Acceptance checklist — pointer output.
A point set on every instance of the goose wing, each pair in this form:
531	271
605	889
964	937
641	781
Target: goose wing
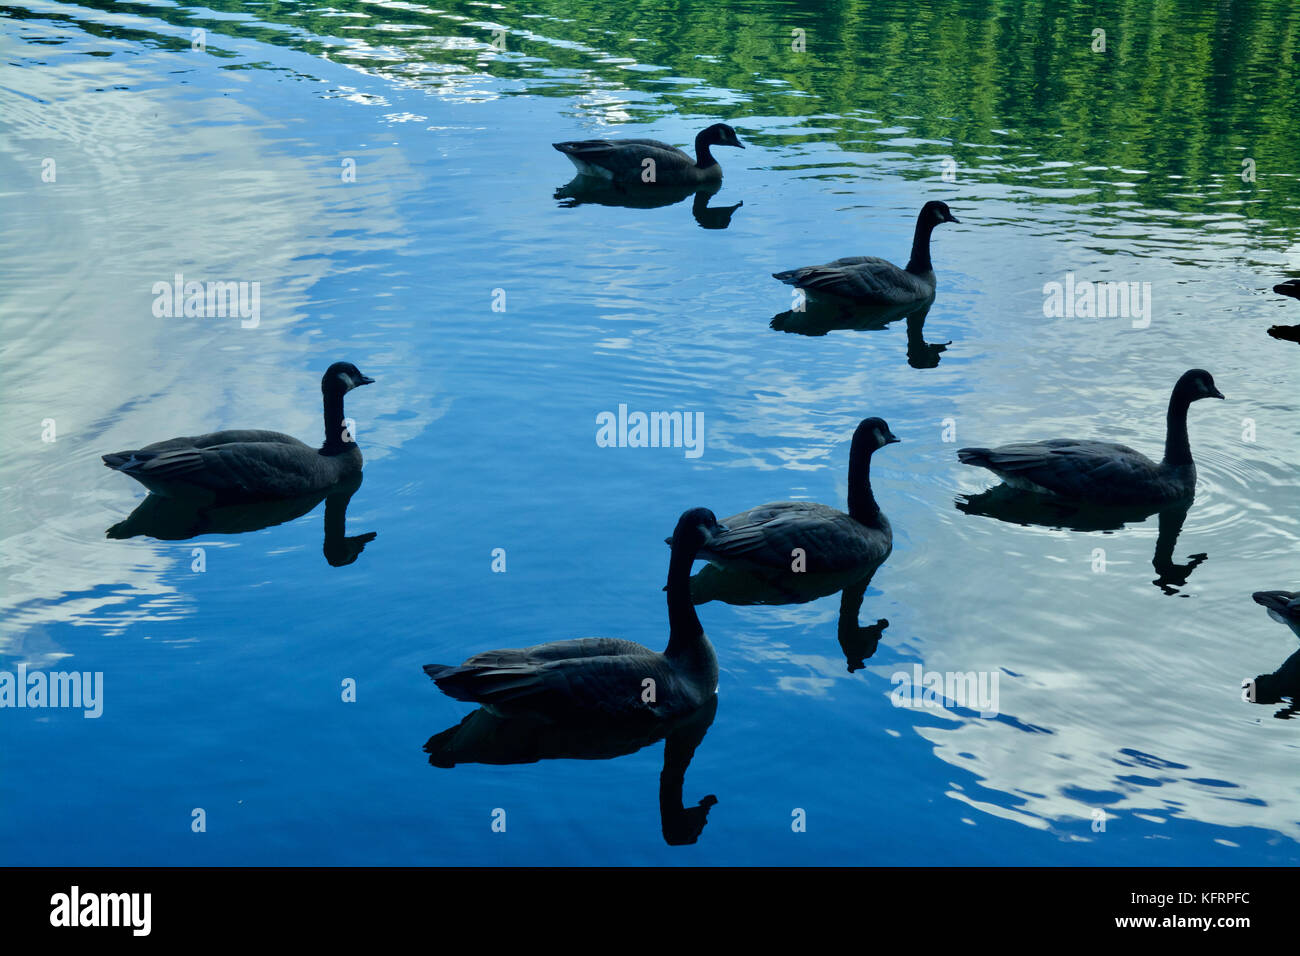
769	534
243	467
624	157
1068	467
589	675
866	278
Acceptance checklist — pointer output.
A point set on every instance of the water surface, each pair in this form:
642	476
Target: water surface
223	688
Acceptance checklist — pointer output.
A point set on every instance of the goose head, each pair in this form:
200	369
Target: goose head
694	528
720	134
871	435
935	212
1196	384
342	377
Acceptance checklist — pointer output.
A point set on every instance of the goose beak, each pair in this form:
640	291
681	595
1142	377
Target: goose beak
366	380
1216	394
738	143
952	218
892	439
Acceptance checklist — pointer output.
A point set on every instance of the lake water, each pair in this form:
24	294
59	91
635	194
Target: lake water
383	171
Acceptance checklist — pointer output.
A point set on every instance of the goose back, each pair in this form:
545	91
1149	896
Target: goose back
865	279
830	540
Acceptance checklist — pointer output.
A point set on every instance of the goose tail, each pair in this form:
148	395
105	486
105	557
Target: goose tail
1279	601
451	681
126	460
974	456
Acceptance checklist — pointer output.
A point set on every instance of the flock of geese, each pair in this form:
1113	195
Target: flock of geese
577	680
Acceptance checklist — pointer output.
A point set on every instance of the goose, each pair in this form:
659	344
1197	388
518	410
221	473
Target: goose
241	464
603	677
766	537
1102	473
625	160
1282	606
871	281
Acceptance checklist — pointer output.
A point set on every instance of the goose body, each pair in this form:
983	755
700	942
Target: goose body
239	464
830	540
603	677
650	161
1104	473
868	280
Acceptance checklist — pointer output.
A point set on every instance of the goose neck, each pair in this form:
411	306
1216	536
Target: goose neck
334	443
862	502
1178	450
685	635
919	263
703	157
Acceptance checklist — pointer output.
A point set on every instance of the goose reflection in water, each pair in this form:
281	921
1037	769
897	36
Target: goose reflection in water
487	738
1029	508
749	586
179	518
820	316
584	190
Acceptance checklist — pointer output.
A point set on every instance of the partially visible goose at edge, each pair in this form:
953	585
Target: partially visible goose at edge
603	677
830	540
868	280
241	464
1290	287
624	160
1103	473
1287	333
1282	606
